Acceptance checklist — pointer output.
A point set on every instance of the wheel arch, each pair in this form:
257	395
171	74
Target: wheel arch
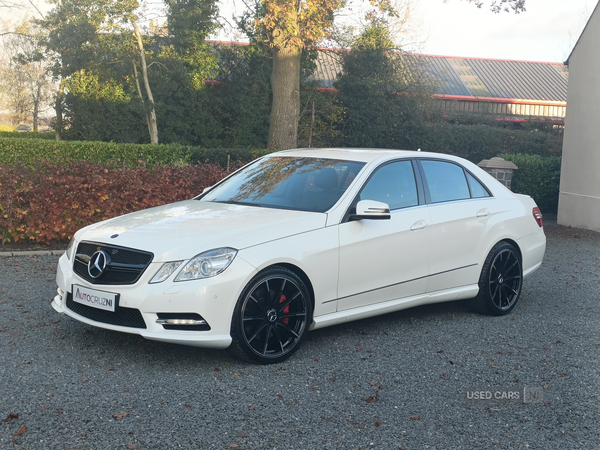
303	276
514	244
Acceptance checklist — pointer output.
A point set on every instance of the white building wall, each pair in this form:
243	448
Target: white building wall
579	201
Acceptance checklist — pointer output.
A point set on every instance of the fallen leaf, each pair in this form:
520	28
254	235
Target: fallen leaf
280	397
377	423
187	406
131	446
361	426
217	369
119	416
85	380
242	435
234	446
414	417
373	383
22	430
11	416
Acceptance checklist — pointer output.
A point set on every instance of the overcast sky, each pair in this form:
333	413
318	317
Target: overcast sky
546	32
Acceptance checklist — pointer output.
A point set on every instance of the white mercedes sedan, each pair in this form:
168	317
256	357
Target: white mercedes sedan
304	239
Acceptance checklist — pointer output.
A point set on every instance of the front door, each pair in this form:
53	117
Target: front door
382	260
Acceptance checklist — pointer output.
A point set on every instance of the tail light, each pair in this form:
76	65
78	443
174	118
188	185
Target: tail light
537	215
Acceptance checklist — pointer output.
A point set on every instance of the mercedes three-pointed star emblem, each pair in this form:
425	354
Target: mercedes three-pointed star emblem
98	263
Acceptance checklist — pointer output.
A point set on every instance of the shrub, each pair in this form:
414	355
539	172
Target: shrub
222	156
538	177
483	141
30	151
28	135
48	202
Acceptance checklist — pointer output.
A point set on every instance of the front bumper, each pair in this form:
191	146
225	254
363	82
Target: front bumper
213	298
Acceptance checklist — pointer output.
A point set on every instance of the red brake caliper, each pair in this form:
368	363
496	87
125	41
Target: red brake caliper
285	310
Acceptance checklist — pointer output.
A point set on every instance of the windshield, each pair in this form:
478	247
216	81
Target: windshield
304	184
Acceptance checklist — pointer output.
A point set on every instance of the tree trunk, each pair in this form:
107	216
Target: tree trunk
139	91
36	107
152	126
285	112
58	109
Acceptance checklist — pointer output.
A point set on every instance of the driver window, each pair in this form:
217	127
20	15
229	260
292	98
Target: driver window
393	184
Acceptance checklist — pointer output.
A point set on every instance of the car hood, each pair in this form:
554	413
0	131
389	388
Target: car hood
184	229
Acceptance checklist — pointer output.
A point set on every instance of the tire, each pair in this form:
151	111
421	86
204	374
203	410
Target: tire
500	281
271	317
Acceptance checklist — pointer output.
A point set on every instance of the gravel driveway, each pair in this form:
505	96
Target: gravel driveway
400	381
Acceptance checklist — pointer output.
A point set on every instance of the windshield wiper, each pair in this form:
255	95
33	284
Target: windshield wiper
234	202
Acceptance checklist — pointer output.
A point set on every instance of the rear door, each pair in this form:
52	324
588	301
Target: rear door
461	209
382	260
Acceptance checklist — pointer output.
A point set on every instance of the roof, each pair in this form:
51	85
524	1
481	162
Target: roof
354	154
582	33
471	77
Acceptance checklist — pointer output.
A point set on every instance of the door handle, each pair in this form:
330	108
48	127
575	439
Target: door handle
483	212
418	225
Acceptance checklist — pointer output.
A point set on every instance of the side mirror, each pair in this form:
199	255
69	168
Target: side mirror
206	189
370	209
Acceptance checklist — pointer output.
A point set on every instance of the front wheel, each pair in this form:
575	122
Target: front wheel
500	281
271	317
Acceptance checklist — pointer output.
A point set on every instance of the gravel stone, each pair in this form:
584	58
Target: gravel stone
392	382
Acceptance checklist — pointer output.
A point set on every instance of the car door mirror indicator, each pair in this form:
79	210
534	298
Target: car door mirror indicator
371	210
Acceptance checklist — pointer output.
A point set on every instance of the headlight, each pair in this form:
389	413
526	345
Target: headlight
165	271
207	264
70	247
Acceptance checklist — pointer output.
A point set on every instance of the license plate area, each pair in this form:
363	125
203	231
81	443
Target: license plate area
94	298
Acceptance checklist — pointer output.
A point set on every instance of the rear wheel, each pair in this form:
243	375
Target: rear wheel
271	317
500	281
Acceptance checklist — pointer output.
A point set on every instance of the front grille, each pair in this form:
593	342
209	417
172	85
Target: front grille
124	317
124	265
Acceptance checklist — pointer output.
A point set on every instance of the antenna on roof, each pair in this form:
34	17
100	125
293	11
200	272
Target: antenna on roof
418	149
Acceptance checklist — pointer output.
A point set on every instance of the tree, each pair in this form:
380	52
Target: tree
25	74
382	92
289	28
501	5
75	38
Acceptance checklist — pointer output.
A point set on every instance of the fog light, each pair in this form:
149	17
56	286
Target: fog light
180	322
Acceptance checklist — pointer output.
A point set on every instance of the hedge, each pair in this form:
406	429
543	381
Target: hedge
481	141
26	135
30	151
538	177
46	201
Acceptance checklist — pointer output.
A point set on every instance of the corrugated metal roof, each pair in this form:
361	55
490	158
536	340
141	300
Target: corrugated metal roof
474	77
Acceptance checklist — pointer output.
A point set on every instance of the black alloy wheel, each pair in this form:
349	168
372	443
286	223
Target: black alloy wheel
272	317
500	281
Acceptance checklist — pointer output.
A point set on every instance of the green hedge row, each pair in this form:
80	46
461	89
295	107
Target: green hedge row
30	151
28	135
482	141
538	177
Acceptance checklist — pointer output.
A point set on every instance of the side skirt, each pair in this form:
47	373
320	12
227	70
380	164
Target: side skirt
376	309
